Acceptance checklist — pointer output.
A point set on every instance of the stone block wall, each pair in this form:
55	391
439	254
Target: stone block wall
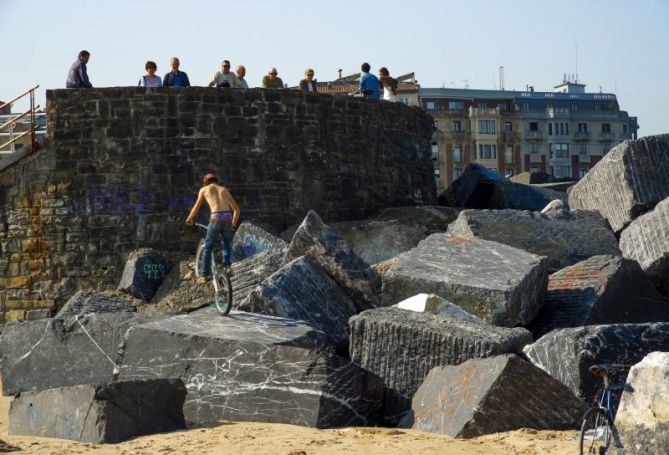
122	166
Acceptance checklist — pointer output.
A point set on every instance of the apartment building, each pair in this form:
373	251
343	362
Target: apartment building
564	132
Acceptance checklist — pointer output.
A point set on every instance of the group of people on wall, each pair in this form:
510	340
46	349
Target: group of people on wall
369	86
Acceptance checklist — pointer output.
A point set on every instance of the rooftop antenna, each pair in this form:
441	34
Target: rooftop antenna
501	78
339	71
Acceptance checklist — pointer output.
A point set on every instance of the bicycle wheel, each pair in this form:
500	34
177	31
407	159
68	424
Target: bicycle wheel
222	293
198	258
596	432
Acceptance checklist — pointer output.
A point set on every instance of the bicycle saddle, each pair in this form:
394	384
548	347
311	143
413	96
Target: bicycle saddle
599	370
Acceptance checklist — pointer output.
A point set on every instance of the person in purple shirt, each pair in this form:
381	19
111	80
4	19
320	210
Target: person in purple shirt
176	78
369	84
78	77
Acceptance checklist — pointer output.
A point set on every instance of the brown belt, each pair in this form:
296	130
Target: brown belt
220	220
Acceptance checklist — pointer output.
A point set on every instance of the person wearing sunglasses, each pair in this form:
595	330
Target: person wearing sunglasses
308	84
225	77
272	80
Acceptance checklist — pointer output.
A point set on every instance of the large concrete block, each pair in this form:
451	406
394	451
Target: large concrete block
322	244
255	368
100	413
51	353
567	354
252	271
302	290
626	182
501	284
84	302
433	304
599	290
402	346
643	415
646	240
481	188
492	395
143	275
564	237
251	240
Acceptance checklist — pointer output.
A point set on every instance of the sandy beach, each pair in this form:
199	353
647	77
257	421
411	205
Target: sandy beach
263	438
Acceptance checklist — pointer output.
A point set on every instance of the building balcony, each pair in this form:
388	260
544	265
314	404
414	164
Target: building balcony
607	136
483	112
534	135
581	136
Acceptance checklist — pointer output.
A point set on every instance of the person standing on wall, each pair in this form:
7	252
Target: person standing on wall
308	84
78	76
150	79
241	72
271	80
225	78
222	223
176	78
388	84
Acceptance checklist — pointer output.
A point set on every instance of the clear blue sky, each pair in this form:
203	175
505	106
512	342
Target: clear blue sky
622	45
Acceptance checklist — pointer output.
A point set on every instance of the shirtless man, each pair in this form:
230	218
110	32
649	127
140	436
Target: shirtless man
223	221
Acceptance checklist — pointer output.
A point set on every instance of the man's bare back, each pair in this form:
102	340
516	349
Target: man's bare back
219	200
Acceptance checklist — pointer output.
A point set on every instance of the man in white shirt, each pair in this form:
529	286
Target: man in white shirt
225	78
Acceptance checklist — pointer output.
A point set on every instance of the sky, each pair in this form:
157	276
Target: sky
618	46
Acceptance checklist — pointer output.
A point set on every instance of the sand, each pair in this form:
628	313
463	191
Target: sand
241	438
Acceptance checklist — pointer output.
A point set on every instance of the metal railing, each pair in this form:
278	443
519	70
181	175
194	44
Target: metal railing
12	122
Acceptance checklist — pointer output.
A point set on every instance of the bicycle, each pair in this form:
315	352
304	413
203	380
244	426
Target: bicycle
220	277
597	429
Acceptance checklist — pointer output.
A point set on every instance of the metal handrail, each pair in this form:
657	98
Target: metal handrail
12	122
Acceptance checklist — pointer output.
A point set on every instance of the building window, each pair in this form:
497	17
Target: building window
582	149
550	129
526	106
562	171
457	172
487	152
625	128
582	171
508	127
457	154
456	105
430	105
435	152
482	105
561	150
487	126
503	107
566	128
534	149
574	107
561	129
456	125
582	127
606	127
508	154
534	126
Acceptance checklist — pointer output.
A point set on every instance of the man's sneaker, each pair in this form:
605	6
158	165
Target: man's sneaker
203	279
228	270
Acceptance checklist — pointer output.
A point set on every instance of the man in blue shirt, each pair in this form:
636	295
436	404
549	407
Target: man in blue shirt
176	78
78	77
369	84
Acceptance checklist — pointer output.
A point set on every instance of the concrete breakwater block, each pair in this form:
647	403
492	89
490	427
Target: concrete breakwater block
481	188
252	271
491	395
251	240
643	416
322	244
84	302
501	284
433	304
599	290
51	353
626	182
402	346
567	354
143	275
564	237
253	367
646	240
302	290
100	413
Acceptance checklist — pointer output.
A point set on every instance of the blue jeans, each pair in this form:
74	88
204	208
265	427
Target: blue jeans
217	231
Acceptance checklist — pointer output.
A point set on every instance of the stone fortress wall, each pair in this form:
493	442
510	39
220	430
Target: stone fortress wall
122	166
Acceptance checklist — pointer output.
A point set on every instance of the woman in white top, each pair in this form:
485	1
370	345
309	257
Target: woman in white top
150	79
388	84
308	84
